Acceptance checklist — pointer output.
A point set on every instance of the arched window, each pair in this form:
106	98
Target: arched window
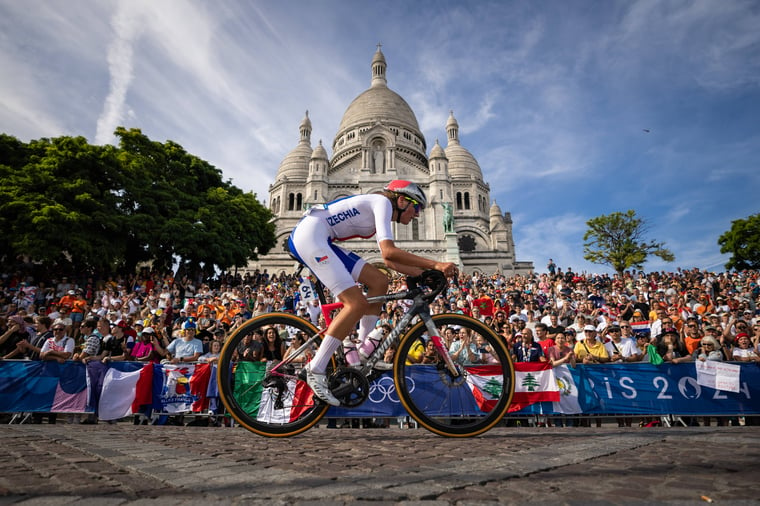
299	202
466	200
291	201
459	200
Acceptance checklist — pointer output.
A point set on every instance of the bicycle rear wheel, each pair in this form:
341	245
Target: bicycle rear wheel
274	404
456	406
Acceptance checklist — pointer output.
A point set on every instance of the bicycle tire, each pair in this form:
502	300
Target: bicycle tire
450	406
285	406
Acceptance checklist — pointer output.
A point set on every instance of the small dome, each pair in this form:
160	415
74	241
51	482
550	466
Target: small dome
495	210
296	163
319	152
452	121
495	217
461	162
437	151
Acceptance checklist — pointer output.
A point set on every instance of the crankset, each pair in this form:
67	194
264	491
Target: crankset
349	386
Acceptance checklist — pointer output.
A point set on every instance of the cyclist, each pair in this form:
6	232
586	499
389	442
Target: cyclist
365	215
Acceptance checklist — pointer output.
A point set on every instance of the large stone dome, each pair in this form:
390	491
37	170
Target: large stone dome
379	105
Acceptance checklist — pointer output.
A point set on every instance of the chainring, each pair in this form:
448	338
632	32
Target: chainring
349	386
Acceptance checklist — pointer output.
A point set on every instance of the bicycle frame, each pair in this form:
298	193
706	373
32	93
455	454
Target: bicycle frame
419	308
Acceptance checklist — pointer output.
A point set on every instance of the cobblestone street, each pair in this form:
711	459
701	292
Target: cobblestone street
127	464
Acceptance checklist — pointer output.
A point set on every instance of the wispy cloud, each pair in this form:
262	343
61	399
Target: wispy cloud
127	24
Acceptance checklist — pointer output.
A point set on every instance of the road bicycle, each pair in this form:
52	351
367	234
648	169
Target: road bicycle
455	398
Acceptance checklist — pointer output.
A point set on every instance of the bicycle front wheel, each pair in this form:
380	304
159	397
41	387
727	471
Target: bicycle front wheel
456	405
262	397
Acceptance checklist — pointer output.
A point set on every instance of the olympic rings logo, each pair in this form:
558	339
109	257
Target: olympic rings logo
384	388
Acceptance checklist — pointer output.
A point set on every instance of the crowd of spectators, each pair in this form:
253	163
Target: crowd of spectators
558	316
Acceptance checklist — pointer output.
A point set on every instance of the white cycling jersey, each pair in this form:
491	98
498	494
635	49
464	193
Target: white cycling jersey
347	218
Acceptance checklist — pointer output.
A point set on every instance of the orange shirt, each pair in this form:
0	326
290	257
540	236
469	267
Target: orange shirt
67	301
79	306
692	343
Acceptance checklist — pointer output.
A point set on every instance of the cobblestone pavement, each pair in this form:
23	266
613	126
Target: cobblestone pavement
127	464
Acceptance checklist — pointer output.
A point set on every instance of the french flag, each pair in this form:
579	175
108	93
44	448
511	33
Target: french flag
124	392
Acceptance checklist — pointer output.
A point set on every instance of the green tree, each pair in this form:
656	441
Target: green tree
530	382
178	207
743	242
617	240
57	202
64	202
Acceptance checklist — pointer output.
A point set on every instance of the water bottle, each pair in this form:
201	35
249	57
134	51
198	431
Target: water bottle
349	350
371	342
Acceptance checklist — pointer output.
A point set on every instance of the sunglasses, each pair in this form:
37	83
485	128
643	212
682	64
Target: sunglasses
417	205
708	344
58	330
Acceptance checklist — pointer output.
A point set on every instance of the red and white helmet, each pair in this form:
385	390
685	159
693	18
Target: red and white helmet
408	189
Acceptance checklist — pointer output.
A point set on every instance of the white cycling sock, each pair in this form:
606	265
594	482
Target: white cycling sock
322	357
366	325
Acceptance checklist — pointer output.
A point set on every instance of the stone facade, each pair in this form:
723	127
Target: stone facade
378	140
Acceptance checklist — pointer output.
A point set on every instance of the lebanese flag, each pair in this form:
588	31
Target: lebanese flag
260	401
534	382
124	392
486	384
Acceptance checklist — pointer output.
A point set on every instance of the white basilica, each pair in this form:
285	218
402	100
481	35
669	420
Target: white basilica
378	140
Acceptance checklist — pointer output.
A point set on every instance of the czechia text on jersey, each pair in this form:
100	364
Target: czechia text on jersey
337	218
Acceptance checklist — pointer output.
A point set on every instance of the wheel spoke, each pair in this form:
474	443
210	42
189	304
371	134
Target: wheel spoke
463	405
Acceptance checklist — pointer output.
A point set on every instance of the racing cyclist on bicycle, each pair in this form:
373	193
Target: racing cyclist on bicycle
365	215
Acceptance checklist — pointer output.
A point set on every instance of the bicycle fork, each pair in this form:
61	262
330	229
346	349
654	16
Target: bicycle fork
440	347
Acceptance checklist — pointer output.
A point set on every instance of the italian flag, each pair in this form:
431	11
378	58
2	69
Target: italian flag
534	382
259	401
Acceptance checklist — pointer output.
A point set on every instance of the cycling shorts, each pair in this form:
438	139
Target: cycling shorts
337	268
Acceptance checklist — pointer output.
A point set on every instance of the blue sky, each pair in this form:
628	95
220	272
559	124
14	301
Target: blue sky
553	98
